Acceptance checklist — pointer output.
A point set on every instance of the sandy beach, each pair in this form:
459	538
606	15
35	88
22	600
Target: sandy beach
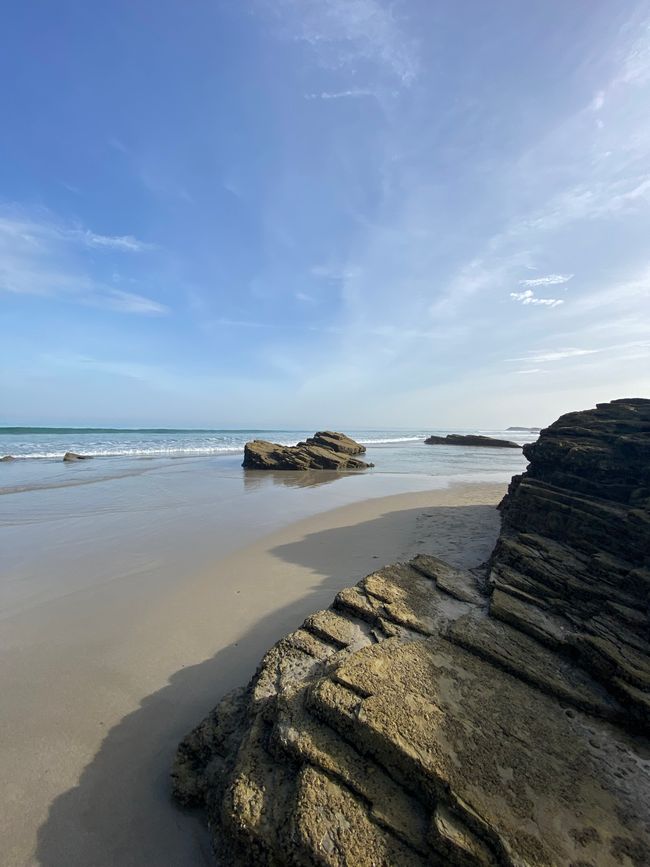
101	682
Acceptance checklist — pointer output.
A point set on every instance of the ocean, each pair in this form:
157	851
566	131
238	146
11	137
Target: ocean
120	453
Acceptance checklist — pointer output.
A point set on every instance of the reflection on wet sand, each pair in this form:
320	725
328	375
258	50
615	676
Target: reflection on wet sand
256	479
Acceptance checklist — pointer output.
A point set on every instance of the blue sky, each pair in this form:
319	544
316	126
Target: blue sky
323	212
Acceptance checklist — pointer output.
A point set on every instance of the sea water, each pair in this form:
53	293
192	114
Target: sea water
118	453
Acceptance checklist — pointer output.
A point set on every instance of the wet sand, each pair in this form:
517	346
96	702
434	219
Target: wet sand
100	680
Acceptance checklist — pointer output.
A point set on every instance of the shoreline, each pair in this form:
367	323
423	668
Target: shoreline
106	680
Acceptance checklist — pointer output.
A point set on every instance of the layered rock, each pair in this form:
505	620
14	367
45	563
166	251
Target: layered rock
470	440
326	450
572	564
437	716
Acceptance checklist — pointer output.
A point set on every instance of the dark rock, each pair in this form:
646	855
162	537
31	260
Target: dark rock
73	456
326	450
419	721
572	564
7	459
470	440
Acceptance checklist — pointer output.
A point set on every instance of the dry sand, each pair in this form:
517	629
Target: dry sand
98	687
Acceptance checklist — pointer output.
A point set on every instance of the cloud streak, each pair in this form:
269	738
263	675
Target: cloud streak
528	297
42	257
356	93
549	280
114	242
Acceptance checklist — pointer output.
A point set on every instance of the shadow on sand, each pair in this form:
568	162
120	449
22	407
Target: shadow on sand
121	813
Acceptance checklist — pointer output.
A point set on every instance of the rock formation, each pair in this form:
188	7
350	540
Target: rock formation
326	450
7	459
571	566
435	716
73	456
470	440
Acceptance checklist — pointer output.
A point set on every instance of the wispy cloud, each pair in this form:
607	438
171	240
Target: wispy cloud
333	272
549	280
541	357
345	33
129	302
355	93
305	298
44	257
118	145
553	355
598	101
529	297
115	242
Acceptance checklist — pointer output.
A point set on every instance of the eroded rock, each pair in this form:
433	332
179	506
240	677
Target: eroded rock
73	456
326	450
572	564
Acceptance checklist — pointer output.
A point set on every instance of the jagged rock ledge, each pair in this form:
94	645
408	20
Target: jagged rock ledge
470	440
430	717
326	450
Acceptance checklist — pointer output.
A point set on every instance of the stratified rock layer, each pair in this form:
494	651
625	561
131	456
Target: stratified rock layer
571	566
470	440
326	450
429	717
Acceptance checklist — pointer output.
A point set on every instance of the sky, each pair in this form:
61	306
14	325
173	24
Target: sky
323	213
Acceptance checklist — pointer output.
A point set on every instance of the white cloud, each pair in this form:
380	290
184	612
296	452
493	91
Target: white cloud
598	101
43	257
528	297
356	93
556	355
116	242
636	66
305	298
638	347
331	272
549	280
344	33
129	302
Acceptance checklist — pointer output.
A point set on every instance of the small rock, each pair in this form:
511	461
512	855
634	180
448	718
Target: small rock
73	456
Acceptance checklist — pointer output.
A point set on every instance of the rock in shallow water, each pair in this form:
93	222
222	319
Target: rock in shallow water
326	450
410	724
470	440
73	456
